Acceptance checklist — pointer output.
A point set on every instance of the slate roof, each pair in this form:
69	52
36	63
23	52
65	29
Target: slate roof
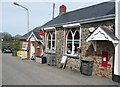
37	35
98	10
37	29
110	33
24	37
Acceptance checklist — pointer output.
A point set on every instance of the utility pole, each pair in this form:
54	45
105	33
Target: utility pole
27	16
53	10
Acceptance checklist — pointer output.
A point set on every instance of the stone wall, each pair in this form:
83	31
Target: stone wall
87	50
73	64
89	53
59	45
51	58
98	68
87	46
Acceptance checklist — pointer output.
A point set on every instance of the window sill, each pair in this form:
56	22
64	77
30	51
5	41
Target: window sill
72	56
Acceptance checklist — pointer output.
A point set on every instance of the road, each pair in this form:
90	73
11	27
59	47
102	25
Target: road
27	72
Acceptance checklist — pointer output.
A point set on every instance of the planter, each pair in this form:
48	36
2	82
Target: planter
38	60
41	60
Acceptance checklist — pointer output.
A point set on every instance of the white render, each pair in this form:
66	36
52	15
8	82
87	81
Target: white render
117	30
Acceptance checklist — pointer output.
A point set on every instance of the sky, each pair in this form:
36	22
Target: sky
14	18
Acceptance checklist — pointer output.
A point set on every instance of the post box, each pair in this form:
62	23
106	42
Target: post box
104	58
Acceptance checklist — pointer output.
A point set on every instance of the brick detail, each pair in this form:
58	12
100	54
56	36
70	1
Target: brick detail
89	53
21	42
38	50
87	50
28	53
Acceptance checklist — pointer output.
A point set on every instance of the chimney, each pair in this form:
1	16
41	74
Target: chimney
62	9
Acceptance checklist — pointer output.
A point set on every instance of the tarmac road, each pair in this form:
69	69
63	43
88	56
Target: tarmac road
27	72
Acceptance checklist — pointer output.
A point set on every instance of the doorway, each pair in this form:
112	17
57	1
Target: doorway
32	50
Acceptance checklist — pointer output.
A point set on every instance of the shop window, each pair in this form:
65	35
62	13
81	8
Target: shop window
51	42
69	43
72	41
24	45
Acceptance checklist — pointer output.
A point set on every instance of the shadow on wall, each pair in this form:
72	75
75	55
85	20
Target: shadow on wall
101	46
89	51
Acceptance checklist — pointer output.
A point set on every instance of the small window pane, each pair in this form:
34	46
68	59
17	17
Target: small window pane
53	36
76	35
76	44
49	37
76	41
69	35
49	44
69	48
73	30
53	43
49	41
69	42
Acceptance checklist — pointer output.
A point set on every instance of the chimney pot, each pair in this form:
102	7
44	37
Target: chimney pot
62	9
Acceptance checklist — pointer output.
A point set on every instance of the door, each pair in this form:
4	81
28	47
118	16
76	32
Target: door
32	50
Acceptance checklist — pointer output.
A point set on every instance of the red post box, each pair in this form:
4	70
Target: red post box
104	58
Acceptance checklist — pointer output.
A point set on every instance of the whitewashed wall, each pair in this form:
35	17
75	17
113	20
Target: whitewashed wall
117	32
119	36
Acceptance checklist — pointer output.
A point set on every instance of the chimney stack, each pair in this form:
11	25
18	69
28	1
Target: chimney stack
62	9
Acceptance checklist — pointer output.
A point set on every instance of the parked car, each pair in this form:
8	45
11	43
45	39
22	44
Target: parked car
6	49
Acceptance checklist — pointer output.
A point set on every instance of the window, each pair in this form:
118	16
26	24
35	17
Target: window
69	43
51	41
24	45
72	41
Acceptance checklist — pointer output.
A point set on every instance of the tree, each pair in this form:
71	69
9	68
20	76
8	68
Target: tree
10	40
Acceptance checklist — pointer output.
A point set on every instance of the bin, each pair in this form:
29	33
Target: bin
14	52
49	60
44	60
86	67
41	59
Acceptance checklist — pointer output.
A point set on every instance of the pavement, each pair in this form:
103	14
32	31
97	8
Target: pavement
27	72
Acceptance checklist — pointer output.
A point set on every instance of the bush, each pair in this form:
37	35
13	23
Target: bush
16	46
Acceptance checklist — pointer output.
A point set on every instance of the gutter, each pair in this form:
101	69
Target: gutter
97	19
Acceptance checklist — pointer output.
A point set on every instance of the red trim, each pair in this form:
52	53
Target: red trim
41	33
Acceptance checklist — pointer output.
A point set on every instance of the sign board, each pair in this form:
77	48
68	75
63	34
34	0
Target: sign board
41	33
63	60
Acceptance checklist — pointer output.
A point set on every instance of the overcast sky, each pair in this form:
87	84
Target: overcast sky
14	18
